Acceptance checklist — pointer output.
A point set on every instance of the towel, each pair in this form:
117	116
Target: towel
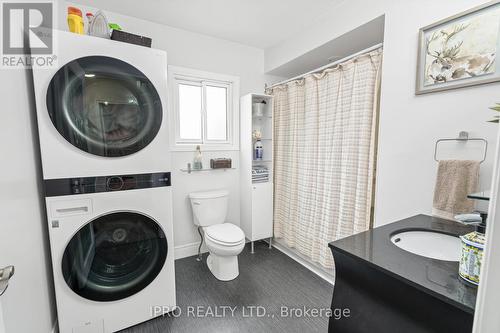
455	179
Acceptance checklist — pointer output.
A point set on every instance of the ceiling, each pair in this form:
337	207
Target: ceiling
363	37
259	23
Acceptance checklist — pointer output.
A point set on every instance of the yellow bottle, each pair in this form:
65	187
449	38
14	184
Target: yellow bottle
75	20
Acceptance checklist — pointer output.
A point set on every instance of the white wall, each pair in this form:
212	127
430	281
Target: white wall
206	53
28	304
409	125
19	180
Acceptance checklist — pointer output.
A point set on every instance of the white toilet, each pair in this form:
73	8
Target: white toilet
224	240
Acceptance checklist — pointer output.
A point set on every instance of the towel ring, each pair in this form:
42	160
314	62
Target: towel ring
464	137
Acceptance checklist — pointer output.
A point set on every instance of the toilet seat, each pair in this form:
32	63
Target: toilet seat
224	242
226	234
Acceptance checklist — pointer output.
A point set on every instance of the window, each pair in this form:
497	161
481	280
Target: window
204	110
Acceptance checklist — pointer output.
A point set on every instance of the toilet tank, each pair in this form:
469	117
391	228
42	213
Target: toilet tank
209	207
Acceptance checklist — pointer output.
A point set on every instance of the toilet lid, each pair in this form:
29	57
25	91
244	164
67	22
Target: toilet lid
209	194
225	233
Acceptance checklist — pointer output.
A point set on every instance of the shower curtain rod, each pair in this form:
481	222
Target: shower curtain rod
368	49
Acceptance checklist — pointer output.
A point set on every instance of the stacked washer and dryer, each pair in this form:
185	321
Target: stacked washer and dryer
104	148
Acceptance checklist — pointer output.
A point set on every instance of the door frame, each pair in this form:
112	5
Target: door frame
2	325
486	319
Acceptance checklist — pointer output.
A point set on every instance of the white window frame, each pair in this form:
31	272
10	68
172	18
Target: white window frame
181	75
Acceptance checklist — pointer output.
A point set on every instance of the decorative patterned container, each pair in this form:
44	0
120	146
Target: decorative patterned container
472	256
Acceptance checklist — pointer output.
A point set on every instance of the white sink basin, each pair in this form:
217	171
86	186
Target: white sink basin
429	244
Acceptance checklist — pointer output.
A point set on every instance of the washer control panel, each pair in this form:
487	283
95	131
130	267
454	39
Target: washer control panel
85	185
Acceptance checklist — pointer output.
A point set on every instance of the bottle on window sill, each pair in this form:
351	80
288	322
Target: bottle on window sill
197	165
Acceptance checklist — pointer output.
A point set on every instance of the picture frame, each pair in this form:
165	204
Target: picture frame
460	51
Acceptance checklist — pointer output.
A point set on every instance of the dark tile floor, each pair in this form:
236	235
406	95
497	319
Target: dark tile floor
268	281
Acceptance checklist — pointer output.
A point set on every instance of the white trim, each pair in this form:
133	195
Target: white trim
2	323
289	252
55	326
188	250
229	112
203	147
175	106
191	249
486	319
232	83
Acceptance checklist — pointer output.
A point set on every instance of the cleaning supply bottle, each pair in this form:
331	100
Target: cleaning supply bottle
197	165
99	26
258	150
90	18
75	20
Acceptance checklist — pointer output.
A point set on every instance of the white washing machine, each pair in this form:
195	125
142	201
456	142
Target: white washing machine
112	250
102	109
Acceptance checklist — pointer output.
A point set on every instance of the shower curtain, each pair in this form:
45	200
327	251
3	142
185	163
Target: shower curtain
324	155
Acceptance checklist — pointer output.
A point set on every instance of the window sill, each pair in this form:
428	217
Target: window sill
192	148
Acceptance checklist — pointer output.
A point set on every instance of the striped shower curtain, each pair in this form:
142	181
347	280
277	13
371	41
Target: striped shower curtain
325	134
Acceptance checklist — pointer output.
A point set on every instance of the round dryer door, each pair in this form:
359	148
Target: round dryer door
104	106
114	256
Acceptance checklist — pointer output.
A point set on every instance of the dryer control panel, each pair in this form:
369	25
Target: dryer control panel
85	185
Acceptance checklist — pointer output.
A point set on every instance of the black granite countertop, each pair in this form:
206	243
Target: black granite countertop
435	277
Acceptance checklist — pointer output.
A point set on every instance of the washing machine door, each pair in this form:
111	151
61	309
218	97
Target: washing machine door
114	256
104	106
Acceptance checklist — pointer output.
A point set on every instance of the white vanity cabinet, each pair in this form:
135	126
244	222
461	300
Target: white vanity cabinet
256	194
262	211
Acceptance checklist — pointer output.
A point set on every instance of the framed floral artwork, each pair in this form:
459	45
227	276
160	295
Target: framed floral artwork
460	51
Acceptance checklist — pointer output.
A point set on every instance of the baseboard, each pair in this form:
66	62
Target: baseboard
291	253
191	249
188	250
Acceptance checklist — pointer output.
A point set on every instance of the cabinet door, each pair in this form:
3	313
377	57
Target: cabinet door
262	211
